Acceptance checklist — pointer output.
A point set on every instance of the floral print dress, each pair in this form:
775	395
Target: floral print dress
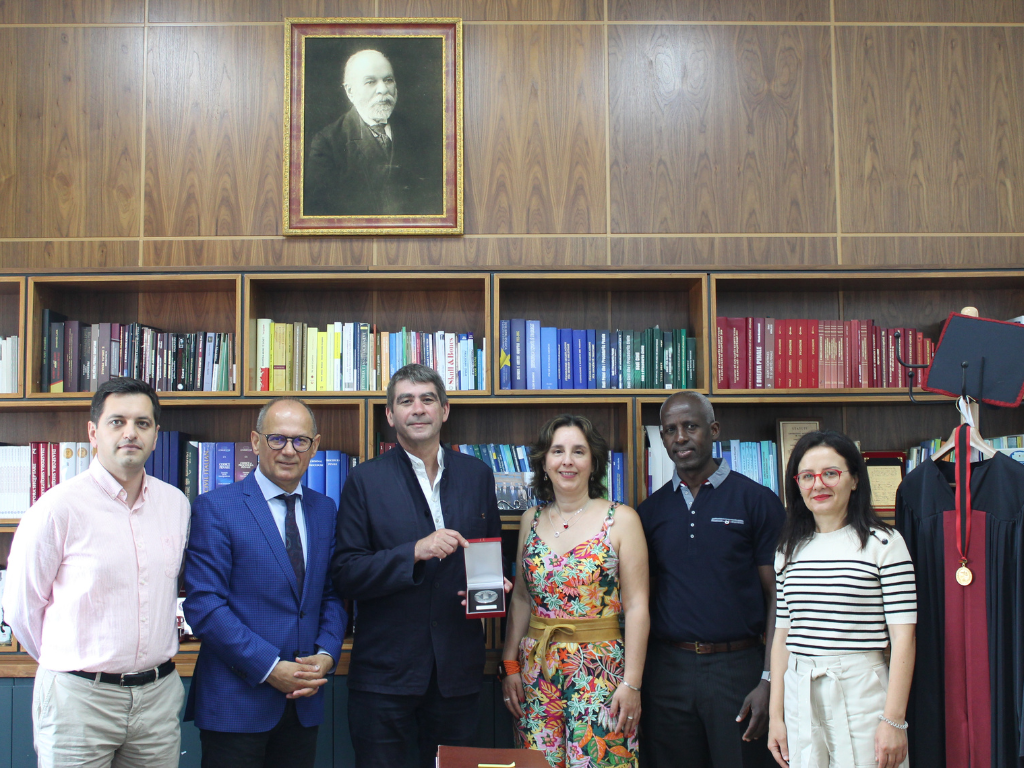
567	716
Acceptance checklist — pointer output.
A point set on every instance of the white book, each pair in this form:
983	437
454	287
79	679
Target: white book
209	382
312	337
5	365
263	354
82	456
339	355
451	341
349	365
68	462
439	356
331	385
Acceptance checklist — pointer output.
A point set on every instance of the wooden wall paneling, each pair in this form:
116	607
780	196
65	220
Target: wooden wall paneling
70	132
213	131
296	253
721	129
496	10
72	12
718	10
776	300
900	426
68	255
496	253
534	129
931	11
962	252
722	252
926	128
232	11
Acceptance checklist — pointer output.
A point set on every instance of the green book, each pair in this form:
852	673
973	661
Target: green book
638	370
691	362
626	366
658	363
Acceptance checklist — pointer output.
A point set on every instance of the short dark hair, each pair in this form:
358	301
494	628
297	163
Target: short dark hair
860	515
417	374
122	386
266	409
542	488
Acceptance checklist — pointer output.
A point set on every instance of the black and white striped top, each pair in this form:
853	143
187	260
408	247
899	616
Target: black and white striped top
837	598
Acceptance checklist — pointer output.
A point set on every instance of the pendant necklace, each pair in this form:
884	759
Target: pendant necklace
565	525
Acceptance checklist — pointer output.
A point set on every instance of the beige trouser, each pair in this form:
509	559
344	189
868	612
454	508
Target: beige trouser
79	722
832	709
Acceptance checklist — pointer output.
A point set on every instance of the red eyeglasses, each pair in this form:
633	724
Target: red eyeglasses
829	478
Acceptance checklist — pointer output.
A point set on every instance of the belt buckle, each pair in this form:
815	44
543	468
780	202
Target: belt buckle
122	682
698	645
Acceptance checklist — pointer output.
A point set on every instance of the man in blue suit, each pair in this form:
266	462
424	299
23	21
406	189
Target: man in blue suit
260	601
417	663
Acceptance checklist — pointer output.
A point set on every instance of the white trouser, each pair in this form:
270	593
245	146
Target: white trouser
79	722
832	709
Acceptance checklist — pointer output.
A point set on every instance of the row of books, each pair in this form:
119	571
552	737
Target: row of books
508	460
28	471
79	357
758	460
771	353
533	356
8	365
353	357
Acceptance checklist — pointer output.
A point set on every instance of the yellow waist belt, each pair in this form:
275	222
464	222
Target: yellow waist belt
547	631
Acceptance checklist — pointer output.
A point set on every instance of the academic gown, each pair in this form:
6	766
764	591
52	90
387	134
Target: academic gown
956	625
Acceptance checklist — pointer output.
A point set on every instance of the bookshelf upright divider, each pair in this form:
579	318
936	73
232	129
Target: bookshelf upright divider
12	323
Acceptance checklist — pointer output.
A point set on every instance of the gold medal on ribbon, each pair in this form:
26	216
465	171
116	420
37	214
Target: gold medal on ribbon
963	574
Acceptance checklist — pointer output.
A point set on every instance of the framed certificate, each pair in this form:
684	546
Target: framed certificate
789	432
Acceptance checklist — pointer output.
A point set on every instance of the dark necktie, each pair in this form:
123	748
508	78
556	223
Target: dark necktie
292	542
382	136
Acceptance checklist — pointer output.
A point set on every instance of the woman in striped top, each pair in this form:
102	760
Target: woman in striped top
845	592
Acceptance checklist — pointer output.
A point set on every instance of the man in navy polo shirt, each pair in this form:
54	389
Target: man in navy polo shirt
712	535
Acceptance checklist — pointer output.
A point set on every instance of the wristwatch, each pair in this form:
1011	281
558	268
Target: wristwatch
767	675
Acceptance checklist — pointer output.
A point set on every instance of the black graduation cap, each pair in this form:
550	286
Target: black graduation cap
981	358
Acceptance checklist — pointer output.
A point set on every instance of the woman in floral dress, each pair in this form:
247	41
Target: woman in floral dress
571	676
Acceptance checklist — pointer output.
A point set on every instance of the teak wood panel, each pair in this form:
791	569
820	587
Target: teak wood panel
720	129
722	252
70	132
296	253
718	10
236	11
931	11
897	427
72	12
68	255
961	252
496	10
534	129
493	253
929	128
214	113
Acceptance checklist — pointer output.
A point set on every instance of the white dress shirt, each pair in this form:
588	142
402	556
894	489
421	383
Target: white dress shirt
432	492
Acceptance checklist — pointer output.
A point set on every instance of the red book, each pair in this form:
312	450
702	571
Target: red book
813	353
736	330
791	355
748	329
800	354
722	342
35	473
769	353
919	344
760	353
846	369
866	339
780	353
892	367
855	358
52	465
876	357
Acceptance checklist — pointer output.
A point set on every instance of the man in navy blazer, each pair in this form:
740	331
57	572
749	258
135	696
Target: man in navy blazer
260	601
417	662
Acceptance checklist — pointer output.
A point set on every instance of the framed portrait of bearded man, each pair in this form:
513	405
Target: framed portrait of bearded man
373	127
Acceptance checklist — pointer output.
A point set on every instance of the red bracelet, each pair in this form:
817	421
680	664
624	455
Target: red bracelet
511	667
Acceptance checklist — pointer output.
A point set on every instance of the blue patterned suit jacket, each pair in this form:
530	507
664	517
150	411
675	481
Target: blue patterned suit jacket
243	604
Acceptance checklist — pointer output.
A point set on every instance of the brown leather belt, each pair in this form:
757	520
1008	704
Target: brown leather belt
703	648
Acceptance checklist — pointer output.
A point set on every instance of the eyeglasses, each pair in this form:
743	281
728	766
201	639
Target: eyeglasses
301	444
829	478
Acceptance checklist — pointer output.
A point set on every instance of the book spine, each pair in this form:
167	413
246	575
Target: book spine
263	354
533	354
519	352
813	353
312	339
225	458
565	378
579	359
591	349
504	355
613	360
757	328
245	460
603	368
549	358
57	357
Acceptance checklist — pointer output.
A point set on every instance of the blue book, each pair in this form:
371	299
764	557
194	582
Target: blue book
533	354
318	472
591	359
727	458
517	329
549	358
343	471
579	359
603	362
613	359
505	356
175	442
332	468
151	462
164	466
565	358
392	354
480	370
225	472
619	477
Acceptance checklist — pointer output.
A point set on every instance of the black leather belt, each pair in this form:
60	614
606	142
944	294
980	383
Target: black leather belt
130	679
703	648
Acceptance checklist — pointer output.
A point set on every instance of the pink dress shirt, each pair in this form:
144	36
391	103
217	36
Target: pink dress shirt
91	584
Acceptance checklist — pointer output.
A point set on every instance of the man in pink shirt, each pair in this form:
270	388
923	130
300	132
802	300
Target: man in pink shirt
92	584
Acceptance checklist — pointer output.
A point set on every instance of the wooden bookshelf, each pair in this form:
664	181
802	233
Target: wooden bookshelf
172	303
418	302
610	301
12	323
920	300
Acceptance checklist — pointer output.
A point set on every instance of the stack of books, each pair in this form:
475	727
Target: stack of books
8	365
28	471
758	460
355	357
79	357
770	353
538	357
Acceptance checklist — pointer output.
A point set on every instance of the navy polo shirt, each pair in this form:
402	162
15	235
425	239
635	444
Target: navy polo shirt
704	553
